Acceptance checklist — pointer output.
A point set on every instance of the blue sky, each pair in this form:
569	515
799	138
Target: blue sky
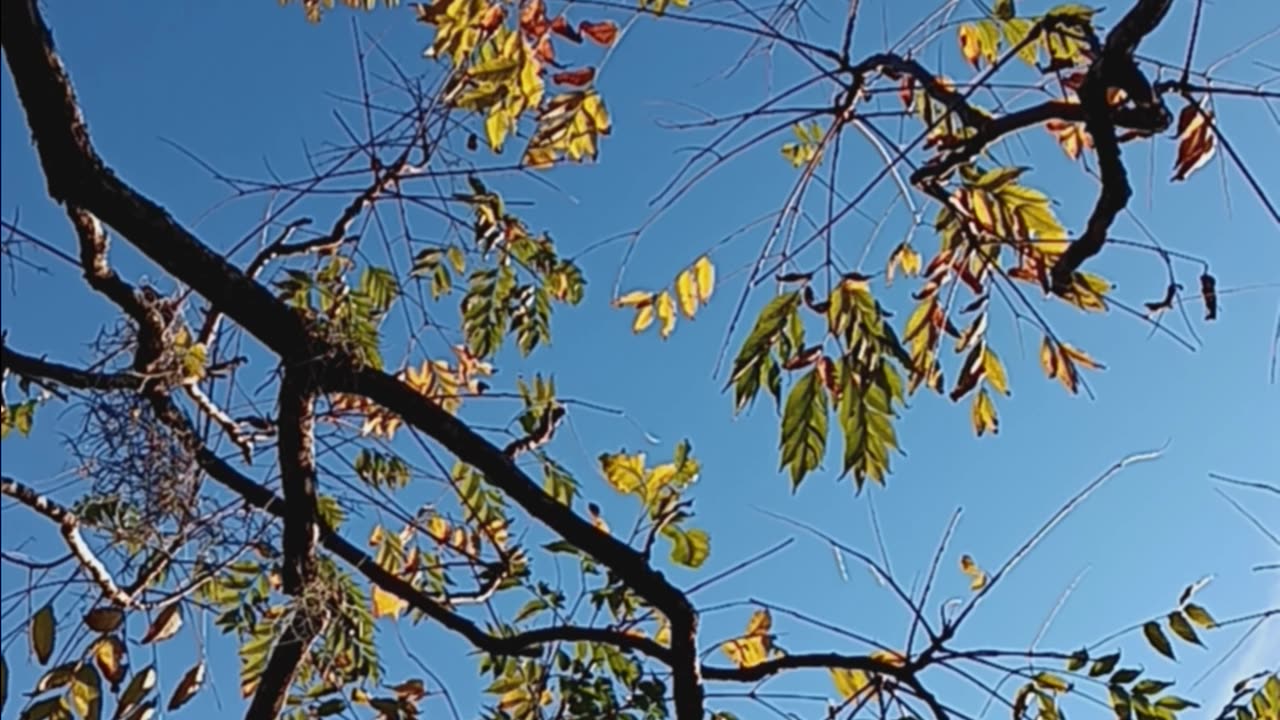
241	86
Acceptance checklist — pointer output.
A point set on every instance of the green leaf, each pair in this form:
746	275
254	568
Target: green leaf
1173	702
1124	676
1151	687
43	634
804	427
1182	628
689	548
1157	639
1199	616
1104	665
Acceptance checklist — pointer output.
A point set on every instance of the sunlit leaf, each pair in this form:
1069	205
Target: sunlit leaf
1199	616
387	604
165	625
1181	627
666	311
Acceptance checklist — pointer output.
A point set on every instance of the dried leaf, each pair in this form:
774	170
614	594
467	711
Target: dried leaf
187	687
166	624
1196	141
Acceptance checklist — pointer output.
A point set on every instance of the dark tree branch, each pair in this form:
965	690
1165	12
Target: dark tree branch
286	656
1115	68
298	480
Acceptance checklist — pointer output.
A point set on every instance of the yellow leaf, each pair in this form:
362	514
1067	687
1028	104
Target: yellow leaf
438	528
635	298
165	626
982	210
43	634
849	682
889	657
666	311
1080	357
977	576
760	623
984	414
375	537
659	478
994	371
644	318
108	654
495	128
705	274
687	293
746	651
969	45
386	604
624	472
663	636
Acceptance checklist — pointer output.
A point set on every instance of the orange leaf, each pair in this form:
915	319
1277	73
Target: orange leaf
578	77
603	33
492	18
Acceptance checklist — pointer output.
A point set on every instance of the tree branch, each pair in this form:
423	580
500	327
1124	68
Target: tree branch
69	526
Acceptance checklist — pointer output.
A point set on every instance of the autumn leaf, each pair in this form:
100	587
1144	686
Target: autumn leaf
666	311
849	683
187	687
977	576
1196	141
386	604
756	643
577	78
625	473
705	273
1072	137
109	654
603	33
687	293
969	44
644	318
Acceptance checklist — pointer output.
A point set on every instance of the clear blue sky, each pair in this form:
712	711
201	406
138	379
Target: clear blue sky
241	85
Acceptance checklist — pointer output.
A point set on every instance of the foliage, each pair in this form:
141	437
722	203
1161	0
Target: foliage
381	354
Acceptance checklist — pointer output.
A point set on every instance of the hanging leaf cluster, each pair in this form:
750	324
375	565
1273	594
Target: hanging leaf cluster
692	290
660	491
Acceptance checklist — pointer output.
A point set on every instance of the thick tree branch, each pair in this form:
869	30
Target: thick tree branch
1114	68
298	480
286	656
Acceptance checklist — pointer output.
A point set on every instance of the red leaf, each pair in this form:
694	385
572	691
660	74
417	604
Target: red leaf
579	77
603	33
533	18
561	27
